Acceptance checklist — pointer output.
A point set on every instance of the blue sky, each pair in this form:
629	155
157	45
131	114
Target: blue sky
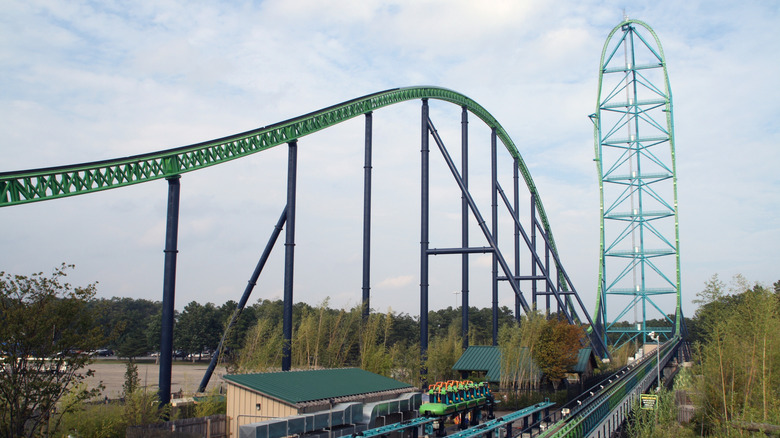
85	81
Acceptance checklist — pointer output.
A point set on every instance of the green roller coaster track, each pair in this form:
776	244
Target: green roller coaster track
635	169
26	186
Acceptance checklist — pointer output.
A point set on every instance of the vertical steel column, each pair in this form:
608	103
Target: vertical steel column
533	249
169	290
494	227
464	269
547	269
558	288
516	180
424	206
367	218
289	254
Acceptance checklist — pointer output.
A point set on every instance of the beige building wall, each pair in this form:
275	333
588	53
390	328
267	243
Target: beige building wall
243	404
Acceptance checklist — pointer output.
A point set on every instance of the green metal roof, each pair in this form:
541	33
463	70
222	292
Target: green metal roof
304	386
488	359
583	357
481	358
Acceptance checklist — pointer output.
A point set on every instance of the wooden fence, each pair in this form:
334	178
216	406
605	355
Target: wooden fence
214	426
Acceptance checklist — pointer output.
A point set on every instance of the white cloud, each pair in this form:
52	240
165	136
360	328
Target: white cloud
396	282
86	81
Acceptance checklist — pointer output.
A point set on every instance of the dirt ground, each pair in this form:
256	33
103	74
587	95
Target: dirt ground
185	377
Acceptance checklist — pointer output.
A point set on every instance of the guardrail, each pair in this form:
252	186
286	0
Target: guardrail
604	407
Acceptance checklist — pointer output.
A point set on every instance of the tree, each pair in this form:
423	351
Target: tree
739	358
559	345
125	323
518	344
443	352
198	327
45	328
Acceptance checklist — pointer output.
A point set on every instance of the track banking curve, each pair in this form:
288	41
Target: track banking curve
34	185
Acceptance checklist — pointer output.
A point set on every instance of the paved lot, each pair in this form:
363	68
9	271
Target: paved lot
185	377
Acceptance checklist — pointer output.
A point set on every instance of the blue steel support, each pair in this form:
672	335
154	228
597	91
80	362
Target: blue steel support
561	274
367	218
289	254
480	221
424	205
547	270
464	210
516	180
533	249
494	227
245	297
169	290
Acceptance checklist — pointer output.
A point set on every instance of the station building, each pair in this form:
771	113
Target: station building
324	403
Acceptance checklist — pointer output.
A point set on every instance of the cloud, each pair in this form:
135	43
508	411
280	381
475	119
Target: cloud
396	282
90	81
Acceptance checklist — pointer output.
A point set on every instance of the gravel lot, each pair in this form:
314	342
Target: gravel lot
185	376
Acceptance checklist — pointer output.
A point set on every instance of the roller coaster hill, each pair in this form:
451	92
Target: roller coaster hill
642	234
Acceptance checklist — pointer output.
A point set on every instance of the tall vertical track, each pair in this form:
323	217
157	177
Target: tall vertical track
639	264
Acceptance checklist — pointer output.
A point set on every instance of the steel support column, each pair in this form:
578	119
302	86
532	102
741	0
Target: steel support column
533	250
494	227
464	211
289	254
169	290
367	218
516	180
547	288
424	206
479	219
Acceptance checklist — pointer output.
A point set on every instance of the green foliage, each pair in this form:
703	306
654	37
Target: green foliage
559	345
262	350
125	323
519	343
553	345
111	420
738	357
131	379
443	352
142	407
197	327
658	423
211	404
406	362
94	420
45	323
374	354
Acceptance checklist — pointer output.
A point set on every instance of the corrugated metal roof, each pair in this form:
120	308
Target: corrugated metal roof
304	386
582	360
485	358
488	359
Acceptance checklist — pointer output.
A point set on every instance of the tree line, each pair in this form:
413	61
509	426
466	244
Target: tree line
131	327
47	324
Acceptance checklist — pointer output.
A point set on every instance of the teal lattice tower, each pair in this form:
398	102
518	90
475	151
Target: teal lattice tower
639	266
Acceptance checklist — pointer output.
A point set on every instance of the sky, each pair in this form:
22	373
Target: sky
86	81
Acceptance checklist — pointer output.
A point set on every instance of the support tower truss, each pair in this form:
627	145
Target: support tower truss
639	266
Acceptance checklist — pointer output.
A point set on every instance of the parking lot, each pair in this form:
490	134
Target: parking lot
185	376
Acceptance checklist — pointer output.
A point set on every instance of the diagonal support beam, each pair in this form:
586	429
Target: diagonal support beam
478	216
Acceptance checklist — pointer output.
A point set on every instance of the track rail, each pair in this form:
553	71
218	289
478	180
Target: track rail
25	186
35	185
615	392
